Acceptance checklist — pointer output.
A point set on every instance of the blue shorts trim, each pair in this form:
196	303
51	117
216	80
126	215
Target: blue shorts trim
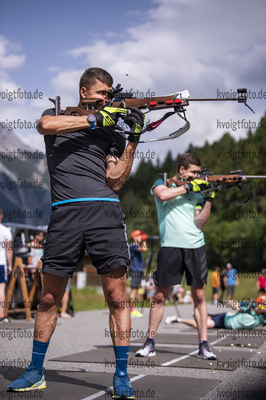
84	199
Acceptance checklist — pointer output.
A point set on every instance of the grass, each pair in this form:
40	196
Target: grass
89	298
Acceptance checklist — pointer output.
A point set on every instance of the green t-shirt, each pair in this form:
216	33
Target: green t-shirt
176	220
244	320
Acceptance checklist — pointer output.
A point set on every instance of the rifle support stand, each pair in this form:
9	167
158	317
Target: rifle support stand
19	272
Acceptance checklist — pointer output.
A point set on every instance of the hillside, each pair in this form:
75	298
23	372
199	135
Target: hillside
24	182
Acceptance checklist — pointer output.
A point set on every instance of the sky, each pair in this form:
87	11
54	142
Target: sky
208	47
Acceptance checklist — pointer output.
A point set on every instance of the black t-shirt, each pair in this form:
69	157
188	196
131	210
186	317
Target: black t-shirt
77	162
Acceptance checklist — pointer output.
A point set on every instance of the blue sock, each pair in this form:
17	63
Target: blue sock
38	354
121	356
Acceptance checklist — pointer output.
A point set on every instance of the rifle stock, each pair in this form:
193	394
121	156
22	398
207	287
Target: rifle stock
152	103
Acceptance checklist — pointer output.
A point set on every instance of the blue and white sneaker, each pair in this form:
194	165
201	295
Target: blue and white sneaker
31	380
122	388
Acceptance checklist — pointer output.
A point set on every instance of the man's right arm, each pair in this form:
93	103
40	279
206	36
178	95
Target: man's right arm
60	124
163	193
53	125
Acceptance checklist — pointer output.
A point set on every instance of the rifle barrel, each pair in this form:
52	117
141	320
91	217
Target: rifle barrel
254	176
216	99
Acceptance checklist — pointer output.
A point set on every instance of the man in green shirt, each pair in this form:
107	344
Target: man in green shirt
182	212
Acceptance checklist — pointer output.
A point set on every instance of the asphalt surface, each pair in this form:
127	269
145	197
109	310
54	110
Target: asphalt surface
81	351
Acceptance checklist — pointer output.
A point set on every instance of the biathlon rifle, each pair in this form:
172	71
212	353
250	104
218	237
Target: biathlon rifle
177	101
217	182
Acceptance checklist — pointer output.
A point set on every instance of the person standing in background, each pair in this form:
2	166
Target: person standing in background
232	281
136	268
6	256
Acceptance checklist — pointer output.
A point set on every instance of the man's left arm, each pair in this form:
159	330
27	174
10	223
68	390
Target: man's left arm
202	215
118	169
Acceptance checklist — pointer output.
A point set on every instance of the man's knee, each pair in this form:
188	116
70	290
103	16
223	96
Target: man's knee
198	294
48	302
161	295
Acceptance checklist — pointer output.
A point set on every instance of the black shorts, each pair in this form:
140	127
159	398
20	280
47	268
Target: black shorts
218	320
172	262
95	226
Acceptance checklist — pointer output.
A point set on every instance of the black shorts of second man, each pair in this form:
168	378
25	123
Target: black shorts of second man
95	226
172	262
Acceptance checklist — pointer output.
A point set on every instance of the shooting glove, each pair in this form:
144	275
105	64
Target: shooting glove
135	120
209	196
108	116
197	185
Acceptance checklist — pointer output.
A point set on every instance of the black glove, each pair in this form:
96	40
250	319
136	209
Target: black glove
108	116
135	120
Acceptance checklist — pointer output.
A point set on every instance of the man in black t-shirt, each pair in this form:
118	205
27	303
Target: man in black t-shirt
87	167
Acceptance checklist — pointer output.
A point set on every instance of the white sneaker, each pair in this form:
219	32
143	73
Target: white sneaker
4	320
171	320
147	350
206	353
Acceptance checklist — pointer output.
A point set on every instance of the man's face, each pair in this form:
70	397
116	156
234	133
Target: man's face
190	173
98	91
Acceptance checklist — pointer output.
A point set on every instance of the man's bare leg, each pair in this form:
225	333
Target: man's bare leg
155	318
201	317
200	311
114	288
53	290
156	312
45	323
191	322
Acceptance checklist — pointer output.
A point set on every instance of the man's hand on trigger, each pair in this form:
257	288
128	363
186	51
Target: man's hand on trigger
135	120
108	116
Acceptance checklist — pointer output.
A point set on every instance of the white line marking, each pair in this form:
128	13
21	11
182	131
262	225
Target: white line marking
104	392
135	378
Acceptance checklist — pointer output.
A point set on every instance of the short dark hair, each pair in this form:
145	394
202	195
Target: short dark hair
187	159
91	75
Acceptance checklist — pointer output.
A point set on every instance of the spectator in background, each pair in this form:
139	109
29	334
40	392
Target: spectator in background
232	281
36	250
64	303
6	255
261	282
223	284
216	282
150	288
136	268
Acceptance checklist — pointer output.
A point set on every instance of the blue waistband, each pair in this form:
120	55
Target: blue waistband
84	199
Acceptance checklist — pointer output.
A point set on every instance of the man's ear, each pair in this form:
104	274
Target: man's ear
83	92
181	169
